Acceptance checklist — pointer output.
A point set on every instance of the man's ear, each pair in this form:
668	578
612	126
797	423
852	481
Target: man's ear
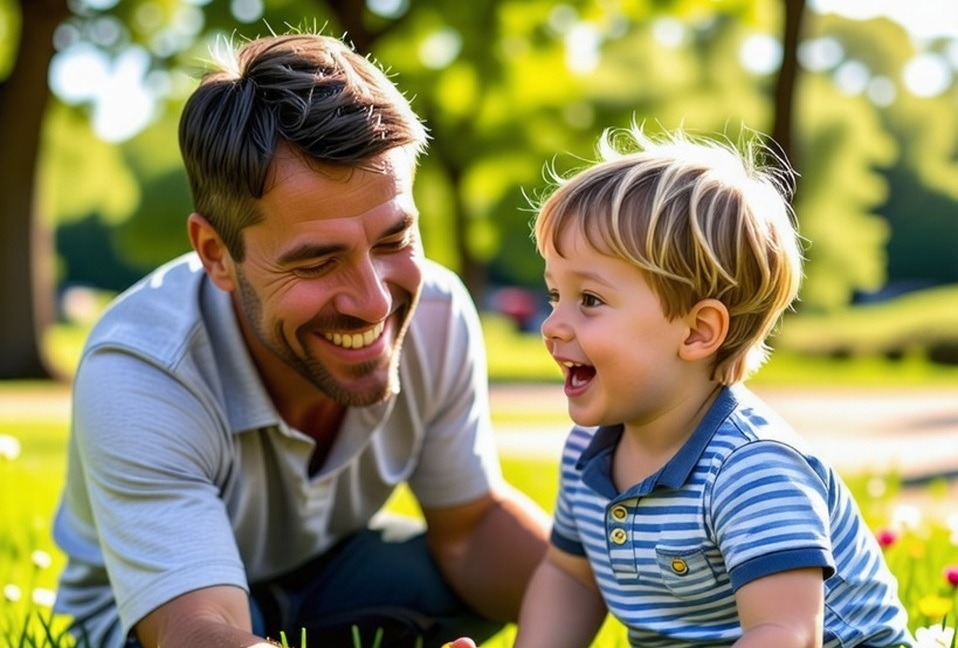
212	251
708	327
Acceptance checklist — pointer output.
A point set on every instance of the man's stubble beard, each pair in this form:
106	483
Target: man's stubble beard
312	369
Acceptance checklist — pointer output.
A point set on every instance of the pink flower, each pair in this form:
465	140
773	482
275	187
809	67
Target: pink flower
951	575
886	537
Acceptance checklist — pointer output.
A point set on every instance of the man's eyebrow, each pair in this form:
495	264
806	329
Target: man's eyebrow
400	226
308	251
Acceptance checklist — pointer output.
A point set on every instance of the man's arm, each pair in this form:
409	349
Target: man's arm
212	616
487	549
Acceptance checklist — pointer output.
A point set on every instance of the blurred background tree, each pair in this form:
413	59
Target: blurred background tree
864	109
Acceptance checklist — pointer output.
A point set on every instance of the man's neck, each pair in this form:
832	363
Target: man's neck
297	400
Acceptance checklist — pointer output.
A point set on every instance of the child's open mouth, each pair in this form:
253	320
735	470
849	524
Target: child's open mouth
577	378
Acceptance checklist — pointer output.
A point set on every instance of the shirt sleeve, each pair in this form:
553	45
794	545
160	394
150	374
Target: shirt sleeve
152	455
458	462
769	509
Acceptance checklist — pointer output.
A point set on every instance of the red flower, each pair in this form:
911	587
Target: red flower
886	537
951	575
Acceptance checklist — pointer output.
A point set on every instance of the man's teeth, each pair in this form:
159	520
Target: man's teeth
356	340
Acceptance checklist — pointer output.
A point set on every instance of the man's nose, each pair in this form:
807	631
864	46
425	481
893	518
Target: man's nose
365	293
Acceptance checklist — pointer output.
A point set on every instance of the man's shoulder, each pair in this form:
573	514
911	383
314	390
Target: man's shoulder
440	283
444	300
156	315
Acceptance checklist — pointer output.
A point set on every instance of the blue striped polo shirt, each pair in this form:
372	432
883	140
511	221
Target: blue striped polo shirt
741	500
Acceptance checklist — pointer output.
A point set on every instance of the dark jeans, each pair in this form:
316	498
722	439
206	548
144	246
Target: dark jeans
381	580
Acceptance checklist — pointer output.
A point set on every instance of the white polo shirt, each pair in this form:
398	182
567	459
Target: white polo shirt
181	474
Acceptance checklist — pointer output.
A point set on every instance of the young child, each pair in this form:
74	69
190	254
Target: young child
687	508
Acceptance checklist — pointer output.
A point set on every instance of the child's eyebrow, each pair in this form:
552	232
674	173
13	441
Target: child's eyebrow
584	275
588	275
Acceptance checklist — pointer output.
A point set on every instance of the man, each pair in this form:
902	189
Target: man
242	413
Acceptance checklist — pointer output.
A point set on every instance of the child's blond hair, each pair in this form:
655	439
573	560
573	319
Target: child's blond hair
701	218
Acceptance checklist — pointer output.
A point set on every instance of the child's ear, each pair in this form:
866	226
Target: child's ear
708	327
212	251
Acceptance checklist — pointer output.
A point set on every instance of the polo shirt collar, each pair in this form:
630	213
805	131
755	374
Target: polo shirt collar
596	460
248	405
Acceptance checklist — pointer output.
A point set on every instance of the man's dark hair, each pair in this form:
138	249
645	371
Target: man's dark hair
312	92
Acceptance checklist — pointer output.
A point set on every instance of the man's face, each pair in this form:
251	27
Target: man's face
331	276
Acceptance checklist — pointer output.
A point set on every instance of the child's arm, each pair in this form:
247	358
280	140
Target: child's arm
562	606
784	610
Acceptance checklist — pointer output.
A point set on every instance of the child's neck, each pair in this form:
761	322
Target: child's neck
644	450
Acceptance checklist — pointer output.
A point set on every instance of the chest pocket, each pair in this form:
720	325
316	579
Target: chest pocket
687	573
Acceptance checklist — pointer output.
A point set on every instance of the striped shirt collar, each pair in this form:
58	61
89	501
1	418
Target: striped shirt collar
596	460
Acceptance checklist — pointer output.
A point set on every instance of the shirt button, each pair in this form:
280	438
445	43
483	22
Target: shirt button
619	512
679	566
618	536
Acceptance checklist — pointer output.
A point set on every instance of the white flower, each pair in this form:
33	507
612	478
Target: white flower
906	517
877	487
936	636
952	523
9	447
44	597
41	559
11	593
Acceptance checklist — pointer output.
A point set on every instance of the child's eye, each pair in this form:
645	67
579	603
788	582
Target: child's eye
590	300
553	297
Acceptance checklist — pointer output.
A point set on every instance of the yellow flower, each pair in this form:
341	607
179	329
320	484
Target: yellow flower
934	607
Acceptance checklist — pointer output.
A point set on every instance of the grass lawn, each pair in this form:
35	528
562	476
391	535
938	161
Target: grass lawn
35	415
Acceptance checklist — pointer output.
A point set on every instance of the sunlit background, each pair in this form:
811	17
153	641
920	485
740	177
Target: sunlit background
860	94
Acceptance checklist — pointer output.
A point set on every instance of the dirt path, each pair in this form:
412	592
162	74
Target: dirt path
912	431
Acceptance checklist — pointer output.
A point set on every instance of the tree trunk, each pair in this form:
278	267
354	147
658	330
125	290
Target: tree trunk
26	243
784	127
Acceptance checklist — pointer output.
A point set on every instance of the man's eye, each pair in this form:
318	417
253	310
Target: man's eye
312	270
395	245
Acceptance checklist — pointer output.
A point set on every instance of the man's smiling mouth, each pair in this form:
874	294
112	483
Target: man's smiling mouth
356	340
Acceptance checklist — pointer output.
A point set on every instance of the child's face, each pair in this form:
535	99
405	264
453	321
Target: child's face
611	338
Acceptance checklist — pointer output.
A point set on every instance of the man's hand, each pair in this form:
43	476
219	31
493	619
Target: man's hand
212	616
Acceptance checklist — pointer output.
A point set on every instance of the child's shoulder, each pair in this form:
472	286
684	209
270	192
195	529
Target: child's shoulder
753	420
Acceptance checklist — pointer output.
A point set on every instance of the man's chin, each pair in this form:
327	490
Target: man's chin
361	391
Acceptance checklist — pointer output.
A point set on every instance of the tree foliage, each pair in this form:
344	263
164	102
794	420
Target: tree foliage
506	87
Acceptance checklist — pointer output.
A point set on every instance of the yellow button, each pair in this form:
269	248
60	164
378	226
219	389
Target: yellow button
618	536
619	512
679	566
